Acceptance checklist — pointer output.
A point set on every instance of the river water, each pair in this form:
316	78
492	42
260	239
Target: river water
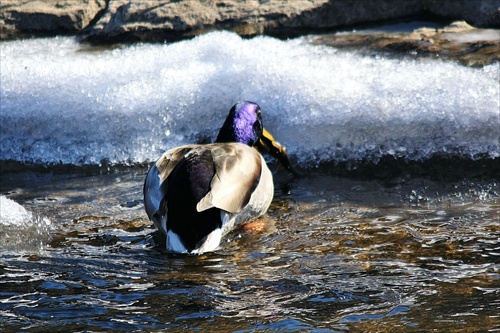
336	252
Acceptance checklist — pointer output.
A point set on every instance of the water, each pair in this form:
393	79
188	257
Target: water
334	254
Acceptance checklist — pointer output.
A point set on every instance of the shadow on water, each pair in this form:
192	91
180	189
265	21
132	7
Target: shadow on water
335	255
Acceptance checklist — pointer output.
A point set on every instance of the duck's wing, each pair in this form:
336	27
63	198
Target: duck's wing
156	184
238	170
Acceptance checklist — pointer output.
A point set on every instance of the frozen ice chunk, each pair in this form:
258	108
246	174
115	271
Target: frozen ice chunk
20	229
63	103
12	213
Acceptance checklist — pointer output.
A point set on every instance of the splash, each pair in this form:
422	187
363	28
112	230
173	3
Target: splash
20	229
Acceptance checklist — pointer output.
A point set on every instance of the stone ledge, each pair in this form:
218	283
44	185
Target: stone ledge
110	21
459	41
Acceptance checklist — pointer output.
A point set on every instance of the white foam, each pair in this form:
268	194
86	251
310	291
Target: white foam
62	103
20	229
12	213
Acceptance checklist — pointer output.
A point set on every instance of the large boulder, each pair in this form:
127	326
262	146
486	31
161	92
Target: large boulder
159	20
168	20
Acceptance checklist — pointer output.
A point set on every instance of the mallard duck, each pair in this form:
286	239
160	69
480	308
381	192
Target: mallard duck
195	194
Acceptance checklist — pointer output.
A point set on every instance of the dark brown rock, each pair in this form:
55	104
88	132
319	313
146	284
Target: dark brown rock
479	13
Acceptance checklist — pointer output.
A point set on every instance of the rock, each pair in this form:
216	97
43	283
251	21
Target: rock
479	13
459	41
167	20
132	21
109	21
22	18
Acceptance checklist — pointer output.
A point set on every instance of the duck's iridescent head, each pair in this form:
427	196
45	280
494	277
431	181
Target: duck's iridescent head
244	125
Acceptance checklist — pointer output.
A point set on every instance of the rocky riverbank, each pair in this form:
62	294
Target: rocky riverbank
458	41
111	21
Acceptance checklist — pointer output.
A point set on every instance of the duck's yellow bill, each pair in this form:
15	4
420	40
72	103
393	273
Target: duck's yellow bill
268	144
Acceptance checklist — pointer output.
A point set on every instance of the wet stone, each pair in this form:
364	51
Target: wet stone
459	41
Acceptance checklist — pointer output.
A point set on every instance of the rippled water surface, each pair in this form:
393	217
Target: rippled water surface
333	255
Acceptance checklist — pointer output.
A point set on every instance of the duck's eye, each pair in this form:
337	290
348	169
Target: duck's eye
259	114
